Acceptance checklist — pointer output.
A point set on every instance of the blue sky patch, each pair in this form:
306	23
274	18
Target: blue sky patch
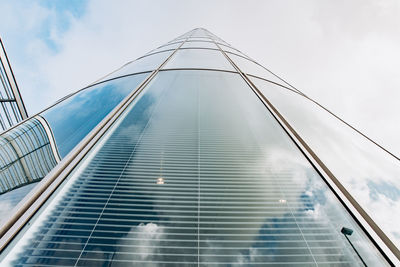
64	11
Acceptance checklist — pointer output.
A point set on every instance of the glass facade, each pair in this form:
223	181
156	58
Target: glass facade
27	154
194	171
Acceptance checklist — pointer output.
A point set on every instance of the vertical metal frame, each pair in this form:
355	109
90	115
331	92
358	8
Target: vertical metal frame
338	189
13	96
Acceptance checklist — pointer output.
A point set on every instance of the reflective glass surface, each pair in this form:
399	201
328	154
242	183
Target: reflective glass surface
231	50
10	199
199	58
196	172
31	150
252	68
200	44
166	47
27	153
147	63
367	172
72	119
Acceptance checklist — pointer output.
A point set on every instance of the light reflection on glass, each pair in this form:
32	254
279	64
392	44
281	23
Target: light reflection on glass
72	119
228	165
367	172
31	150
27	153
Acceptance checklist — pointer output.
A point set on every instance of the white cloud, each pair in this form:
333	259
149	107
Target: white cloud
343	54
142	241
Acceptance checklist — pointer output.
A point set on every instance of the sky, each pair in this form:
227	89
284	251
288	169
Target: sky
344	54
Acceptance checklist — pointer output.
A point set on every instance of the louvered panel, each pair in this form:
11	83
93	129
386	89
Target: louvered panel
187	179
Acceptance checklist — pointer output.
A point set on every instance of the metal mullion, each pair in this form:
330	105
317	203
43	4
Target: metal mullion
34	200
3	126
13	83
25	142
294	89
4	106
6	85
184	48
97	82
49	133
147	55
41	158
249	58
347	200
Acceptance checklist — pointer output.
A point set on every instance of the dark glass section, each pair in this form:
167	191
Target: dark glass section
31	150
72	119
195	172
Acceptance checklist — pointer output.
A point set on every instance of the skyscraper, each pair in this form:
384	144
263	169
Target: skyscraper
193	154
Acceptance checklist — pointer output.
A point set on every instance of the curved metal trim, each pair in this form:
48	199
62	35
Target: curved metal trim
13	83
50	135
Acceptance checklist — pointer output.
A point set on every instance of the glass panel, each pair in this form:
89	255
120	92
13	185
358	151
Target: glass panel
9	200
231	50
72	119
200	44
200	34
177	40
367	172
147	63
199	39
31	150
199	58
165	47
252	68
195	172
27	154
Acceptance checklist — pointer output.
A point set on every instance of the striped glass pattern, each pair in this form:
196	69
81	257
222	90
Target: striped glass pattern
195	173
26	155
